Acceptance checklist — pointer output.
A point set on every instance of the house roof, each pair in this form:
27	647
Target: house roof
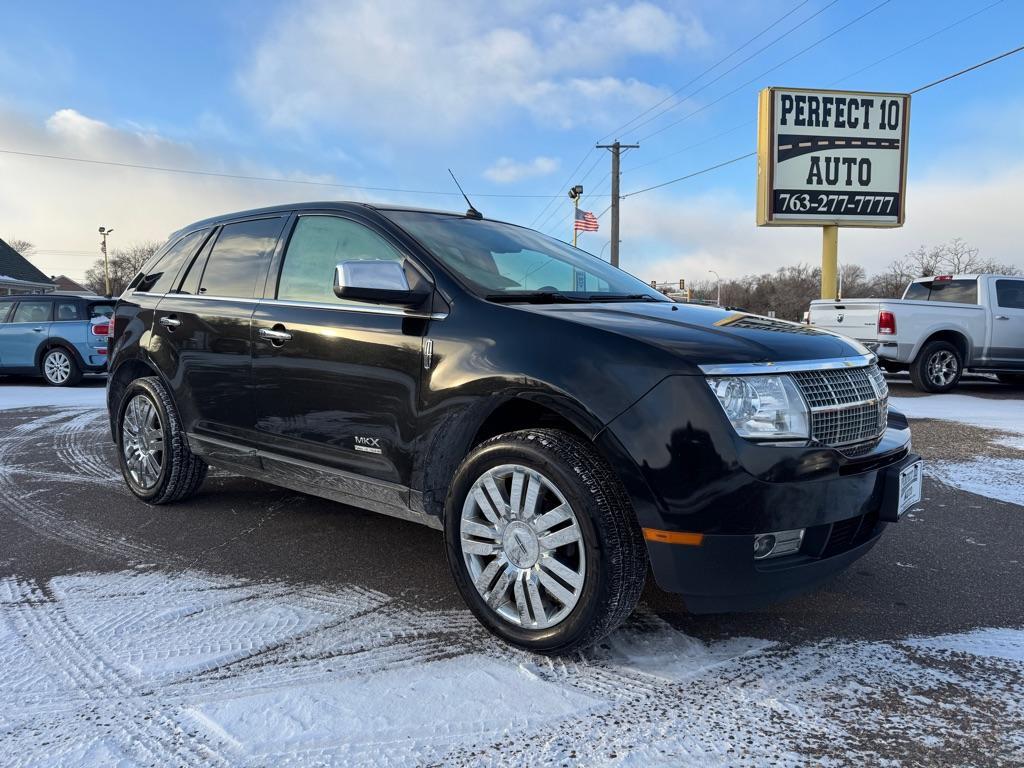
65	283
13	264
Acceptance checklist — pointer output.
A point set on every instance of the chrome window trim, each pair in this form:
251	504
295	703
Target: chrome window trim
357	308
753	369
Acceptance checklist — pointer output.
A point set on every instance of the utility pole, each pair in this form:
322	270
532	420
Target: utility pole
106	266
616	149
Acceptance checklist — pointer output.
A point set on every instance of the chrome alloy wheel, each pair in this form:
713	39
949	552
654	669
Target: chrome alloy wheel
523	546
142	441
942	368
57	366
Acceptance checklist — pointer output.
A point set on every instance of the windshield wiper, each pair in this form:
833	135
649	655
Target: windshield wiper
623	297
535	297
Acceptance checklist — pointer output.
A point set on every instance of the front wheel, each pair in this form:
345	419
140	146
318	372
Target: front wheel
542	541
937	368
155	458
60	369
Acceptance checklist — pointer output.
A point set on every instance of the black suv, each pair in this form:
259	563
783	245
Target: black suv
562	423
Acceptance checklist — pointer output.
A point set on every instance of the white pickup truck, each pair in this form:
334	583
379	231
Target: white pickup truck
941	327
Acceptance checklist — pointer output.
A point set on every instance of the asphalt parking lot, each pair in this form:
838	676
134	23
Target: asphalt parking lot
953	565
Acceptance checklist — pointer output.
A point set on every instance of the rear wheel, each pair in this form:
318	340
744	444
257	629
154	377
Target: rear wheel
542	541
60	369
938	367
155	459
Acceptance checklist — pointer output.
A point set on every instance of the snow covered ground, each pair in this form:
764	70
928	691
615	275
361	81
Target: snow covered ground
40	395
999	478
142	666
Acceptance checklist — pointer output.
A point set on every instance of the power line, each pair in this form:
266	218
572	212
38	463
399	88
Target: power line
782	63
717	64
197	172
724	163
554	197
554	211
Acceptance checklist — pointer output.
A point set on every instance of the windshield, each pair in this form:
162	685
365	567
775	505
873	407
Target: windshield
502	262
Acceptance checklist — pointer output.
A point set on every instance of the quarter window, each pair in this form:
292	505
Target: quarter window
317	246
68	310
32	312
239	260
161	277
1010	293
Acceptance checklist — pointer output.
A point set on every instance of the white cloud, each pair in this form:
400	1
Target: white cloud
666	238
506	170
59	205
421	69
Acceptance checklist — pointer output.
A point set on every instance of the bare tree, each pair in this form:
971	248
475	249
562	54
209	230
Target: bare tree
125	263
24	247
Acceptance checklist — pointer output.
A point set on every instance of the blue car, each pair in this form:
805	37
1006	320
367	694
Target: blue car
57	336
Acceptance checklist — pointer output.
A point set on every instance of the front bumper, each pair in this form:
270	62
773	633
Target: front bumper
688	471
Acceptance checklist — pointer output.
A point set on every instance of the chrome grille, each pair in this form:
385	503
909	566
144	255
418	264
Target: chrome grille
849	406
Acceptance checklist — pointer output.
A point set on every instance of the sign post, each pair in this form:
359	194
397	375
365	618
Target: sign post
831	159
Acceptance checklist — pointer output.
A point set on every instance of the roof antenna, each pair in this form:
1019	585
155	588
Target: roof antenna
472	213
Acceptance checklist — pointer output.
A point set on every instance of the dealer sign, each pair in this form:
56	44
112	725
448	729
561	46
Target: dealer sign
831	157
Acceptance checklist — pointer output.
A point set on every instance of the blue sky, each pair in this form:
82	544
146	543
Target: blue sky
511	96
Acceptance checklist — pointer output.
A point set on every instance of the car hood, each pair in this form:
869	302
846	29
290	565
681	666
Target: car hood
703	335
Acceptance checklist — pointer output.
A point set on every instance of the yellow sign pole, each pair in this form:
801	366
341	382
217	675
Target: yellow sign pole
829	261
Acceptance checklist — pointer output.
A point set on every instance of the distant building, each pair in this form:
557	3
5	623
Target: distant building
18	275
66	285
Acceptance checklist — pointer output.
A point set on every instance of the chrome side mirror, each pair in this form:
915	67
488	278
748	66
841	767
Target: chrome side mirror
376	281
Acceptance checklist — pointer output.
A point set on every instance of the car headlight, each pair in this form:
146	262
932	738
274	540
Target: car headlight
762	407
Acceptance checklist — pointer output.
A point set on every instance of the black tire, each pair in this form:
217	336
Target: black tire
925	370
613	545
181	473
1013	379
59	368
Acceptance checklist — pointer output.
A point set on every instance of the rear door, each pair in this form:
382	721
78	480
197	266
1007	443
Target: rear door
342	389
201	334
24	333
1007	346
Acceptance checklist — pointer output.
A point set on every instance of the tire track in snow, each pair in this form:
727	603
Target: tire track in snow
83	448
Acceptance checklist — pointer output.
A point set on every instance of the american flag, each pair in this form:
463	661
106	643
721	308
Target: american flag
585	221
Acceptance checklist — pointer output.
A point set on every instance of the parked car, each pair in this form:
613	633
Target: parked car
57	336
943	326
564	424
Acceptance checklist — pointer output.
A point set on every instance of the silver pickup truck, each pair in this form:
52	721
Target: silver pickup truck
941	327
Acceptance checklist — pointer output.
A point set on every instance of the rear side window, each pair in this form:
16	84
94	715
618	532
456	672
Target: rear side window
1009	294
317	246
239	260
161	277
32	312
949	291
101	310
67	310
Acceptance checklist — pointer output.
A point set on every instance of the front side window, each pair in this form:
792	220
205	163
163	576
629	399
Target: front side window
240	257
503	262
317	246
68	310
160	278
32	312
1010	293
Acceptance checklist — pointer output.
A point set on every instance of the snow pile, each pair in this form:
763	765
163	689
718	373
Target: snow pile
43	395
996	478
144	667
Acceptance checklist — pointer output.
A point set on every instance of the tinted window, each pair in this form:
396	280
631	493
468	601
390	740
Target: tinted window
950	291
32	312
1009	294
190	282
67	310
5	310
101	310
161	277
317	246
238	262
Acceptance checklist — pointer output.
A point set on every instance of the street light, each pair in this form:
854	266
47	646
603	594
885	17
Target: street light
106	266
718	285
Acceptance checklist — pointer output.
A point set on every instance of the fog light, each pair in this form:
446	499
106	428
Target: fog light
778	544
763	545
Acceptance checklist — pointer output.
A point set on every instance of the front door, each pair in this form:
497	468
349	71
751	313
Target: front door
1007	348
336	382
24	333
202	328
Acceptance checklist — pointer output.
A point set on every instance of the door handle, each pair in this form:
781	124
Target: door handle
276	335
170	322
38	330
1002	317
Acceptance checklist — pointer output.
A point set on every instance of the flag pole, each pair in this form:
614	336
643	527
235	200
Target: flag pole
576	207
